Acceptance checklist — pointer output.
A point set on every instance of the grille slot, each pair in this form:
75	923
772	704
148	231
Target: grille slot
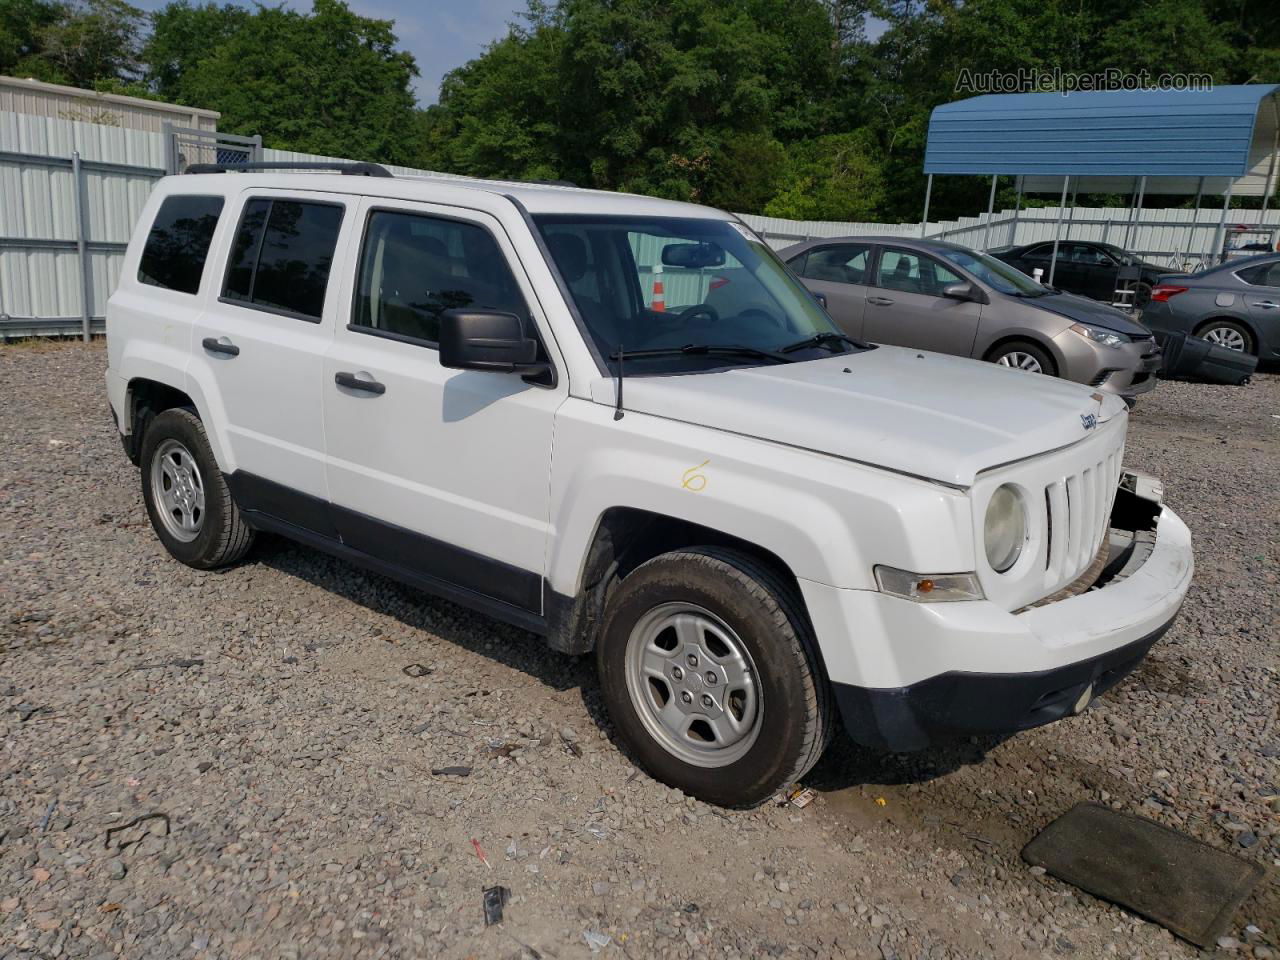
1078	508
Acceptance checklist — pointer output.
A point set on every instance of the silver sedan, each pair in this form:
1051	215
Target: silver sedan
1235	305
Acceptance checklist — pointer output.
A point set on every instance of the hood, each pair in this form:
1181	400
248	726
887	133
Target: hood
1083	310
924	414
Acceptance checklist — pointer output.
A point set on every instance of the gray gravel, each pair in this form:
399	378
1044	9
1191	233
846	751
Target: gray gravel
265	710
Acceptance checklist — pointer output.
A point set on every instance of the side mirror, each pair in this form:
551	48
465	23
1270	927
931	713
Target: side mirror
962	291
487	340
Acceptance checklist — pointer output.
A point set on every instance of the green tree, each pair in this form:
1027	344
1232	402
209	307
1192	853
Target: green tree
328	82
84	43
835	177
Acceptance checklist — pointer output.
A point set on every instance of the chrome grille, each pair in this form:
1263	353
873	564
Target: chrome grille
1079	508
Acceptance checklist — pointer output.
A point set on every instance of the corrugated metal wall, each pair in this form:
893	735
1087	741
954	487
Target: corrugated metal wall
1169	236
38	204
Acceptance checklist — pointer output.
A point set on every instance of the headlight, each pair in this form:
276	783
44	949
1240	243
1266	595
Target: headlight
1005	528
1108	338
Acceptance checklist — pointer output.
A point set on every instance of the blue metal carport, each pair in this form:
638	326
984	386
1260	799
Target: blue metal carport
1179	137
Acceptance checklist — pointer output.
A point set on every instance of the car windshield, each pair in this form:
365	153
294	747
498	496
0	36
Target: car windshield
995	274
690	293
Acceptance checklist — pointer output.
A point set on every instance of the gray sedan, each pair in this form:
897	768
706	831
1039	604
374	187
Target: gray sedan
947	298
1235	305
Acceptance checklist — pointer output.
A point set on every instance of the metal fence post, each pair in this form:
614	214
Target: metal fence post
1220	235
1057	231
928	191
82	247
991	206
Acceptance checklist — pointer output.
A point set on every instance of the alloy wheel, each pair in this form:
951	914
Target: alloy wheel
693	684
178	490
1023	361
1228	337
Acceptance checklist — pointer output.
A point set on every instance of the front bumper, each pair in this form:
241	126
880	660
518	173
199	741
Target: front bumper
918	673
1127	371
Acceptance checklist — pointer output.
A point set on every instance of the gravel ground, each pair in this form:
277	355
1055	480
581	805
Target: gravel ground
267	712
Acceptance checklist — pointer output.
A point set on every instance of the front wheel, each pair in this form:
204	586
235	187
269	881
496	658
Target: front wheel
708	669
1024	355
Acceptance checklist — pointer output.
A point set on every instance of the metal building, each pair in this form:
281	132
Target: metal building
38	99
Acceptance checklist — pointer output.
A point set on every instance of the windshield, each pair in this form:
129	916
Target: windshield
995	274
662	283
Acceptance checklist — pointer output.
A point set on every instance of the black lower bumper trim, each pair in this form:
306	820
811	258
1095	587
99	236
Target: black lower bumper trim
950	705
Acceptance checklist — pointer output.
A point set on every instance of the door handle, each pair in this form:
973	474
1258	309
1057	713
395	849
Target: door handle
223	346
352	382
1267	305
880	301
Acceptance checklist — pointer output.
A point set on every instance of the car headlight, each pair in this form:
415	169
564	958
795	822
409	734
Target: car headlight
1005	528
1108	338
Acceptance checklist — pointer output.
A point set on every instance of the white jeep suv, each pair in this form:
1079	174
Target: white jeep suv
622	424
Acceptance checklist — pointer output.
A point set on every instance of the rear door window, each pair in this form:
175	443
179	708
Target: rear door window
843	263
282	256
178	244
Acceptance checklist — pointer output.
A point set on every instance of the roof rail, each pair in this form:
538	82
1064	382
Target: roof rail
344	167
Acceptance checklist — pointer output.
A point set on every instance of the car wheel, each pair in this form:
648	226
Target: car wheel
186	496
1229	334
708	668
1024	355
1141	295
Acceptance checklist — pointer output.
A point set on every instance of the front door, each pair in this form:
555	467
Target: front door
441	473
906	307
839	273
259	348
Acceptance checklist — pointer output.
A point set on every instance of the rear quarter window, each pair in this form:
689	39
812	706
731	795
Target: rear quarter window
178	244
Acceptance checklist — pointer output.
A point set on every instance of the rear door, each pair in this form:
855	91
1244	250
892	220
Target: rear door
259	348
907	307
1263	296
444	474
839	272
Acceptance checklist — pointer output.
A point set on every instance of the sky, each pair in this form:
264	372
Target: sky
441	34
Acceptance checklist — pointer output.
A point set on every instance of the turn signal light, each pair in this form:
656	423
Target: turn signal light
1161	292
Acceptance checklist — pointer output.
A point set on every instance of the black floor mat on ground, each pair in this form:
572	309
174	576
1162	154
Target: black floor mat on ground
1186	886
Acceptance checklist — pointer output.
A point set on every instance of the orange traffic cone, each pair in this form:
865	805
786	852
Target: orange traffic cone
659	304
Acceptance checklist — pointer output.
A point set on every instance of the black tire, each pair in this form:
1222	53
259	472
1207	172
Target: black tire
1041	355
768	618
1250	344
223	536
1141	294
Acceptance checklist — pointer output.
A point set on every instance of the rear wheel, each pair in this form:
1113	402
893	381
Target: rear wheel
186	496
1229	334
708	669
1024	355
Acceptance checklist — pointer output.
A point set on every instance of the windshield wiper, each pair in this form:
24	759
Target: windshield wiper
697	349
823	339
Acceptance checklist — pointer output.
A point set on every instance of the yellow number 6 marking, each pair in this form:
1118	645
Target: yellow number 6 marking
694	481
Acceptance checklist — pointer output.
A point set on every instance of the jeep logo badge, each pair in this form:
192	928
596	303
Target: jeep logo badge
1088	420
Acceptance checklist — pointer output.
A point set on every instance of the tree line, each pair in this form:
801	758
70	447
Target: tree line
811	109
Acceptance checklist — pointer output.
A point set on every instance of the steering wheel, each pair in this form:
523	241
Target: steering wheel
696	309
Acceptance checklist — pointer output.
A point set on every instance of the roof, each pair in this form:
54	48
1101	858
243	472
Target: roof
537	198
1153	133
